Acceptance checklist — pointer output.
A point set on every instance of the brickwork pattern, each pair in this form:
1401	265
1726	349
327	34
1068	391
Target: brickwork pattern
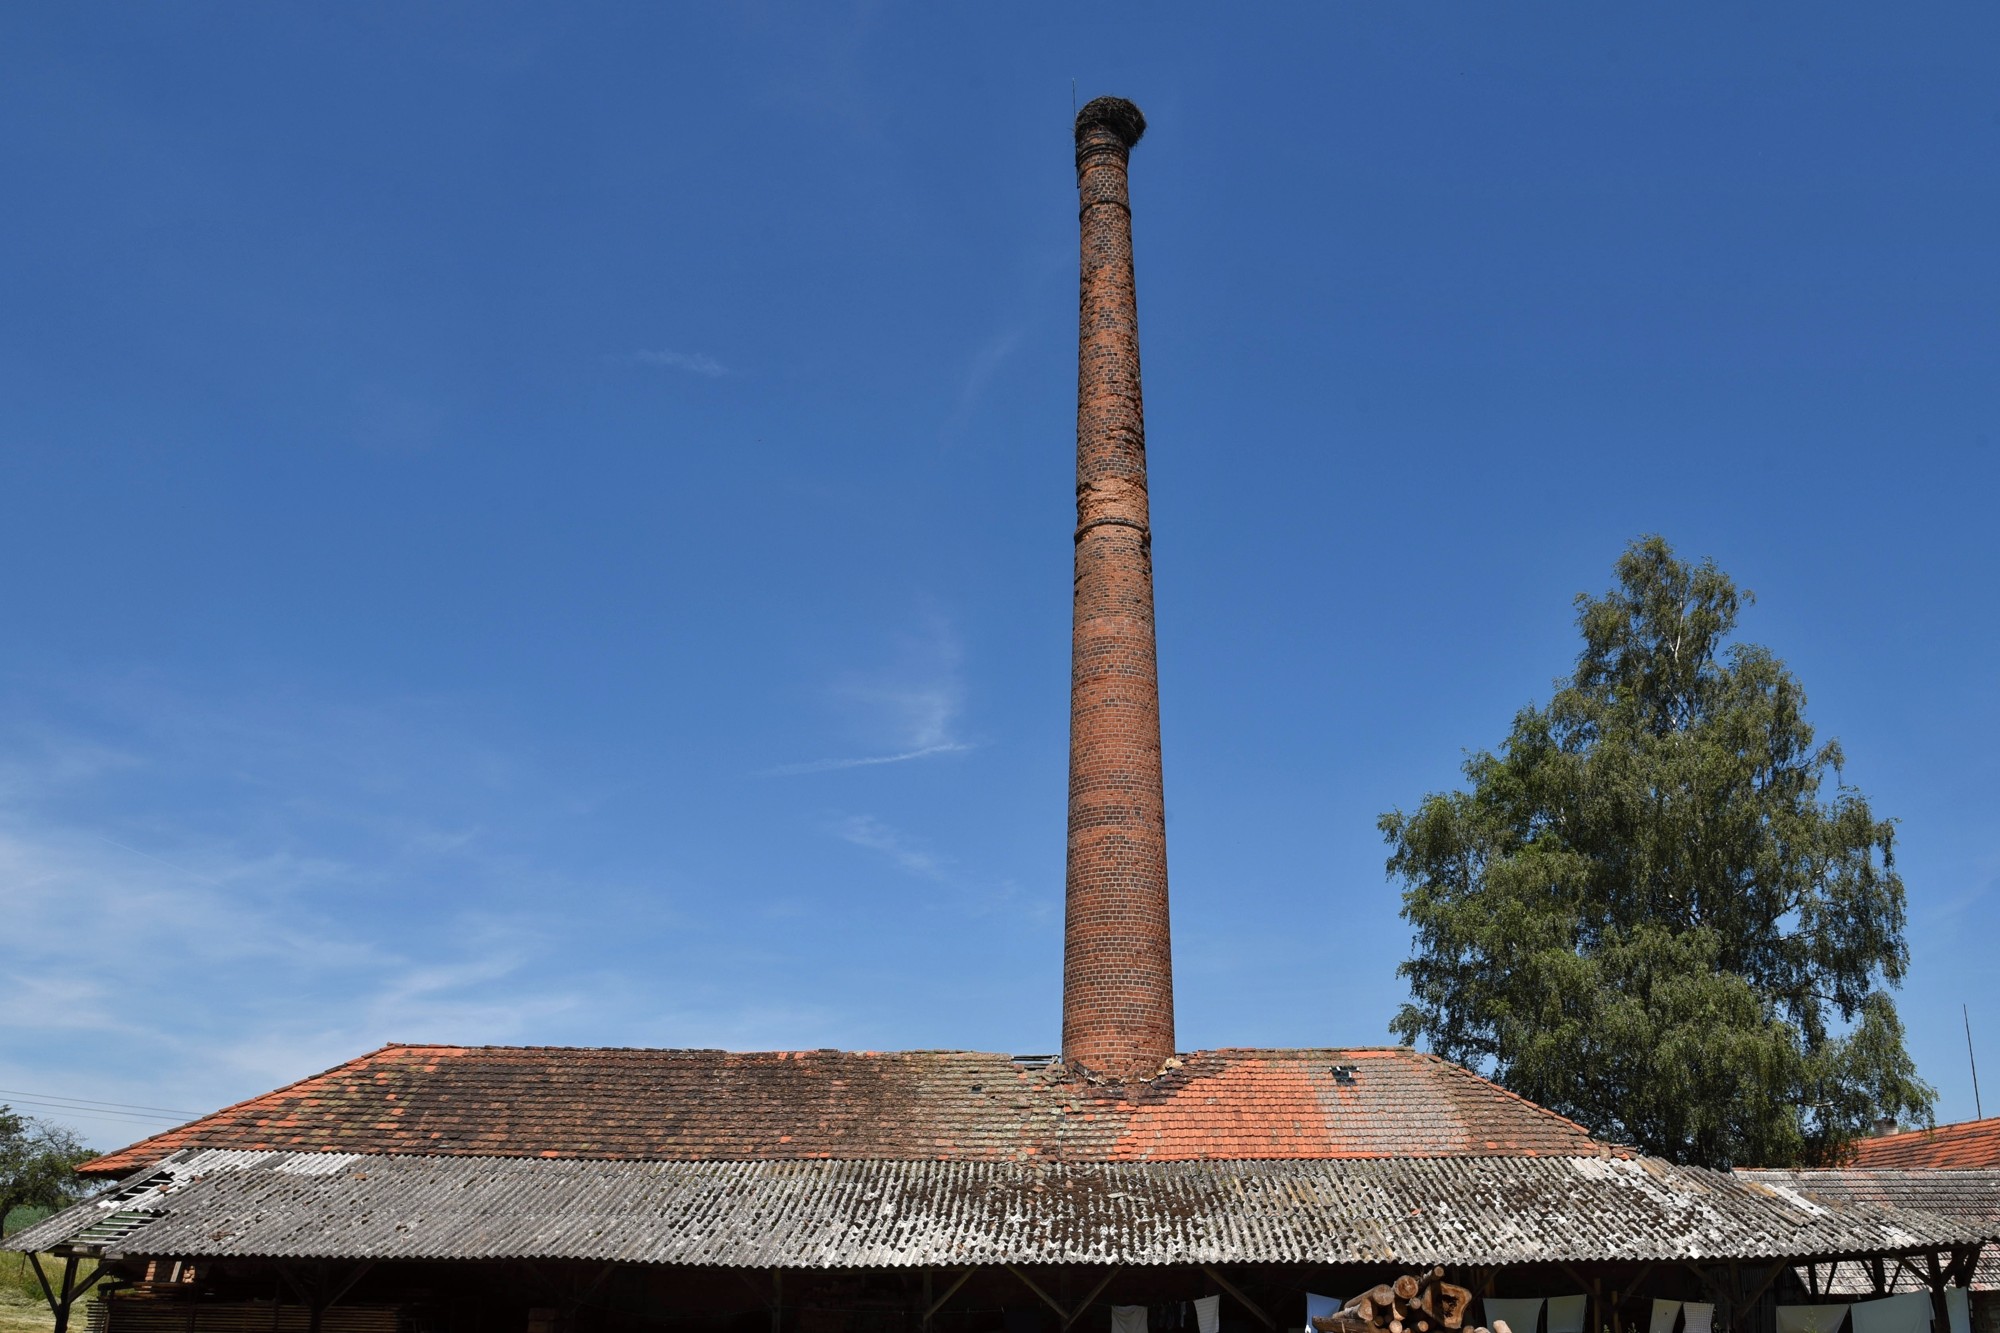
1118	999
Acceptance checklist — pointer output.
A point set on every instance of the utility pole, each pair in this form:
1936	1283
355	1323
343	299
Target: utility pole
1978	1113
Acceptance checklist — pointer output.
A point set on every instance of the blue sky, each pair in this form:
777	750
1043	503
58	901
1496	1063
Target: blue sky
551	524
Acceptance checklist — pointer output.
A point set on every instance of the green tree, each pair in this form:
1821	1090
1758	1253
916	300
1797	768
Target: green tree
38	1163
1659	910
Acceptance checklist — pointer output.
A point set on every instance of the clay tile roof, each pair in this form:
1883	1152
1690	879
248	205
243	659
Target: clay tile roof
1970	1143
696	1105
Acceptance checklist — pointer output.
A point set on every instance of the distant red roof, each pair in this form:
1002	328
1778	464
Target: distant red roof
1969	1143
681	1105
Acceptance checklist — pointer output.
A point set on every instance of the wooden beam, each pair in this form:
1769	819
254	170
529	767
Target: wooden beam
1764	1286
1095	1292
1035	1287
949	1292
1240	1298
1593	1290
68	1294
1708	1282
1940	1313
348	1285
48	1293
743	1275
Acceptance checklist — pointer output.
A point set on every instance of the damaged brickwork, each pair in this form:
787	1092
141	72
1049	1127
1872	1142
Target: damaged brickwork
1118	996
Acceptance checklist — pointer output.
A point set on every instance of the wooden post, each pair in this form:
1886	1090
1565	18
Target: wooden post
1940	1312
68	1294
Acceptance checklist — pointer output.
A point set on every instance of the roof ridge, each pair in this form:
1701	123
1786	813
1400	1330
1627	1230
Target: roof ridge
683	1050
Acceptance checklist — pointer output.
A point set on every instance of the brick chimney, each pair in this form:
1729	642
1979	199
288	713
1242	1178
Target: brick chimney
1118	973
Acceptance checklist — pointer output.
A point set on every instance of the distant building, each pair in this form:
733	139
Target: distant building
1969	1143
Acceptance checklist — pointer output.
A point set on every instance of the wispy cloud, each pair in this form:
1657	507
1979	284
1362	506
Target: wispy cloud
829	765
694	363
979	373
869	832
205	902
905	712
972	894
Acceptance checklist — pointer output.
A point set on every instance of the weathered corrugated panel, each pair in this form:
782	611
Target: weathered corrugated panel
832	1214
1970	1195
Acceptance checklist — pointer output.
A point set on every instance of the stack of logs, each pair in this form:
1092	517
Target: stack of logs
1410	1304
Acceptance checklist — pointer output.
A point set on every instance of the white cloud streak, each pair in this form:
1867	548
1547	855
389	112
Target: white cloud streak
830	765
871	833
908	712
694	363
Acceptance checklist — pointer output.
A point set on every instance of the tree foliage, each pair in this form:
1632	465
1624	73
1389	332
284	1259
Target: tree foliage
38	1163
1659	910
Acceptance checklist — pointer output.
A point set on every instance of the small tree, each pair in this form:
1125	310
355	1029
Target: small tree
38	1164
1652	912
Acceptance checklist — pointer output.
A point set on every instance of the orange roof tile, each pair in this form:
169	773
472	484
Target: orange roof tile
693	1105
1969	1143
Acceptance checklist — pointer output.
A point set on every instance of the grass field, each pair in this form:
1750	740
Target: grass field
22	1309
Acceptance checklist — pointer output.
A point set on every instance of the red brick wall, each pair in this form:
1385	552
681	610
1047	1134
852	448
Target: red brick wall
1118	993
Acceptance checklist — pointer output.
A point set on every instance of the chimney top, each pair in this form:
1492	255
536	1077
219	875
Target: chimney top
1115	114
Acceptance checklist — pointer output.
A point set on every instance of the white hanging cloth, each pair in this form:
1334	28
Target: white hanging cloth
1906	1312
1697	1317
1521	1316
1812	1318
1208	1314
1128	1319
1664	1314
1958	1309
1566	1313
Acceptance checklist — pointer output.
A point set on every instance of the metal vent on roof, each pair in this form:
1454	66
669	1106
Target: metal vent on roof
1343	1073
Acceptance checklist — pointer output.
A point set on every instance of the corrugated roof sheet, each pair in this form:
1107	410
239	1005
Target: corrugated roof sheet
679	1105
1971	1195
834	1214
1967	1144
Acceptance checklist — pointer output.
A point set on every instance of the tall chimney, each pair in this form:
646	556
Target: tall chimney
1118	971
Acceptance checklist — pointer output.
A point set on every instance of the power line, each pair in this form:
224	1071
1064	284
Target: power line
91	1101
86	1113
92	1107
